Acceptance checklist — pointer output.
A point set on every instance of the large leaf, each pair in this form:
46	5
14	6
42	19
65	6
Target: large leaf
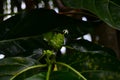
106	10
40	76
56	75
28	23
87	46
11	66
33	23
92	60
92	65
30	71
22	47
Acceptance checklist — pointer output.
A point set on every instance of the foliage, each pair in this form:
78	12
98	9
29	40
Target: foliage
31	42
106	10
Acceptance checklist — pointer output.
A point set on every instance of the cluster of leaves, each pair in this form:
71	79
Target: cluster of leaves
31	43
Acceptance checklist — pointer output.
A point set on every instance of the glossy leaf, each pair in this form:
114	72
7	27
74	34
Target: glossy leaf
11	48
106	10
22	47
11	66
56	75
34	23
87	46
40	76
91	64
28	23
30	71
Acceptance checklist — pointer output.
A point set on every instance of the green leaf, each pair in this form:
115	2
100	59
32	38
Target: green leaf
11	66
89	63
56	75
106	10
22	47
40	76
30	71
34	23
87	46
91	60
28	23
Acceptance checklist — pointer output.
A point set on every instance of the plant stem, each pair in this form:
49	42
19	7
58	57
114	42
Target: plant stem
66	65
49	70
